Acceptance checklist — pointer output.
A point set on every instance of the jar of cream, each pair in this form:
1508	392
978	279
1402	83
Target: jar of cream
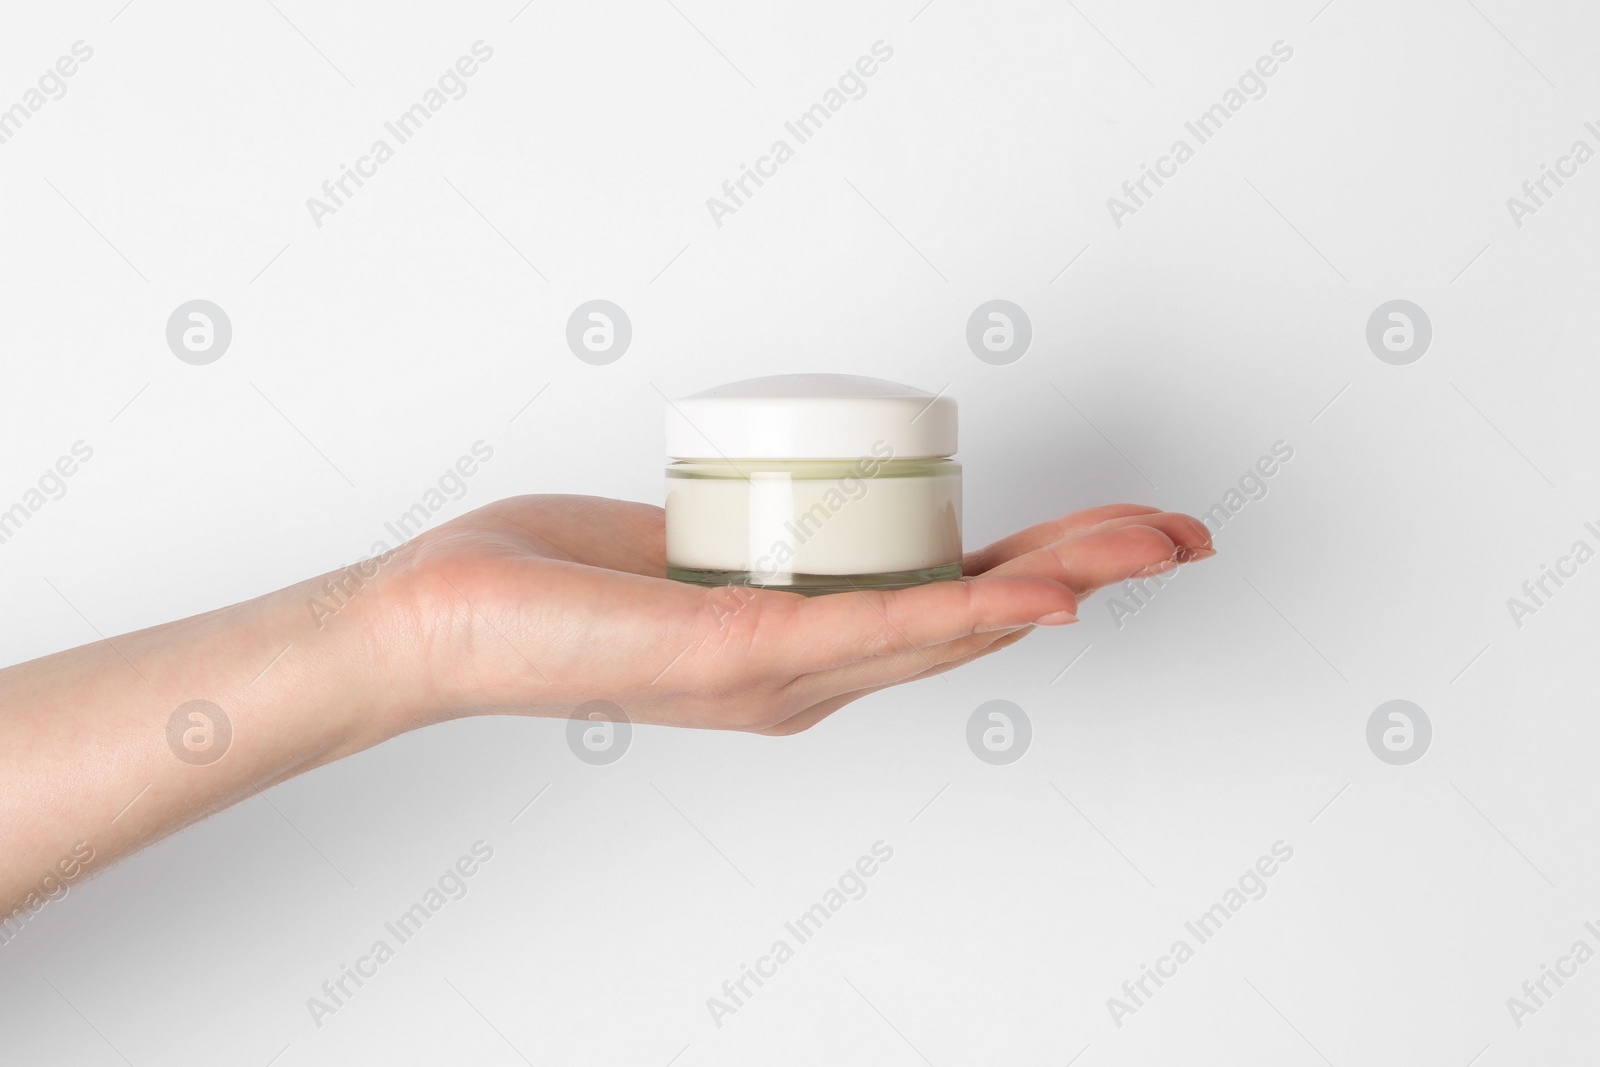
813	483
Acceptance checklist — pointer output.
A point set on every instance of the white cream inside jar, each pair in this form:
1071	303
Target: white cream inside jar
814	483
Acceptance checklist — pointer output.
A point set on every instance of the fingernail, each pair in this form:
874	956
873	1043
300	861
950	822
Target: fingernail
1194	555
1055	618
1155	569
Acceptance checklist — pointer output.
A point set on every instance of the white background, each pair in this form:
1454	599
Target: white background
1226	315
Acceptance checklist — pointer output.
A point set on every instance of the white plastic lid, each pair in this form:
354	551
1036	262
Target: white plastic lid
811	416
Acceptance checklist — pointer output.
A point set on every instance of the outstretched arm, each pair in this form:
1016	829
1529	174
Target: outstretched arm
533	605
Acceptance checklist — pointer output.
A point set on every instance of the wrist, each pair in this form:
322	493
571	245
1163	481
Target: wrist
351	643
458	646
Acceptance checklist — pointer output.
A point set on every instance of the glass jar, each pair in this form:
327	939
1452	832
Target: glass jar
813	483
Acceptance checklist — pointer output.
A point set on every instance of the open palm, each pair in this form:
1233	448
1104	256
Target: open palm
538	604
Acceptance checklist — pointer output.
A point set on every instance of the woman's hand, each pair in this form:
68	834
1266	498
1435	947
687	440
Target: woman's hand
534	605
538	604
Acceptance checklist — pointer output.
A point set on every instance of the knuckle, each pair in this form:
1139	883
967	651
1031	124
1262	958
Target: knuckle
889	637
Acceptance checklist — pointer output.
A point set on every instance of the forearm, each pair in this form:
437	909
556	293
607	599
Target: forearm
91	757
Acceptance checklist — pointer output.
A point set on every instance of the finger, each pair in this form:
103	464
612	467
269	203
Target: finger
822	709
1114	551
1094	560
1190	536
843	628
980	560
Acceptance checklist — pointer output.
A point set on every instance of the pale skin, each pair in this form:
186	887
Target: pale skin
534	605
